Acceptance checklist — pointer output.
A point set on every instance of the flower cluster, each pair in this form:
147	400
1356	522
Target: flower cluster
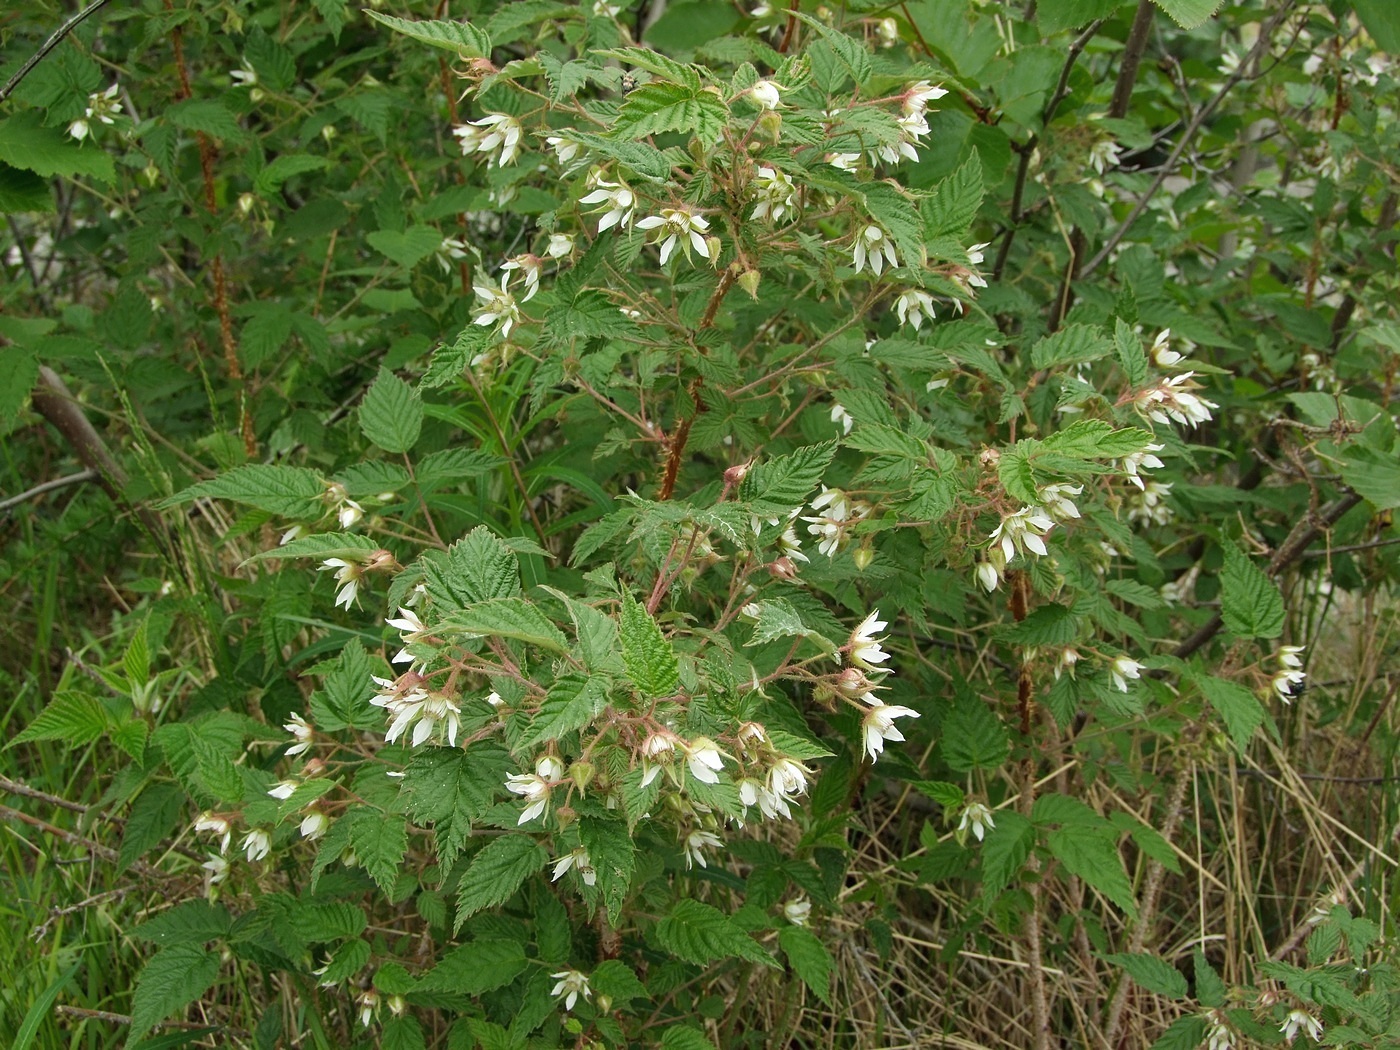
103	107
1288	678
494	133
774	194
1174	398
409	703
835	515
1020	532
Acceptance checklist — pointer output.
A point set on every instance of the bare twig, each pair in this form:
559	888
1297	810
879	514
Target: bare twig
14	787
48	45
48	486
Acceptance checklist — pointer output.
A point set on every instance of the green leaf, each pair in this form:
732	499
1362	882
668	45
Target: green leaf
380	841
572	702
1093	856
1250	602
777	619
1070	345
700	934
1131	356
462	38
346	961
449	788
1237	707
289	492
973	737
1189	13
171	979
189	922
507	618
882	440
611	850
348	546
1055	15
954	203
74	718
650	661
153	817
475	968
208	116
588	314
1382	20
655	63
900	219
23	191
684	1037
789	479
406	247
1185	1033
851	53
343	700
809	959
287	166
1373	474
615	979
1210	989
136	661
1004	852
497	872
402	1033
1016	475
477	568
26	144
647	161
656	107
1152	973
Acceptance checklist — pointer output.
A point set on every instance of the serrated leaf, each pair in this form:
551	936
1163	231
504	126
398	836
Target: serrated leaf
450	788
900	219
349	546
1250	602
790	479
1131	355
507	618
74	718
130	737
380	841
1016	475
658	107
287	166
613	854
23	191
973	737
454	464
953	206
571	703
1072	344
1237	707
615	979
684	1037
288	492
497	872
588	314
777	618
851	53
476	568
1189	13
1004	852
209	116
1375	475
650	661
27	145
809	959
406	247
1185	1033
346	961
949	796
1152	973
647	161
461	38
878	439
316	923
1210	989
152	819
794	746
655	63
171	979
189	922
1093	856
701	934
343	700
481	966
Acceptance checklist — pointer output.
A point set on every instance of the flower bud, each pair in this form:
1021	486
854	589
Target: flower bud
566	815
748	281
782	569
862	556
581	773
713	245
604	1003
989	458
736	474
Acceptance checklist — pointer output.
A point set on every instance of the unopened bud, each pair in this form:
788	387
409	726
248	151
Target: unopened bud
714	246
381	561
989	458
862	556
736	473
852	682
782	569
604	1003
566	815
748	281
581	773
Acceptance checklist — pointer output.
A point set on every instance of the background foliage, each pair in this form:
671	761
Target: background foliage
254	291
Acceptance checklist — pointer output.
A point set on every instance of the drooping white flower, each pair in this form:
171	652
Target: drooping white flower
1149	506
917	97
988	574
1288	679
872	244
841	416
498	307
1023	531
256	845
678	226
843	161
411	629
1103	155
577	860
704	760
798	911
836	513
369	1006
217	867
774	194
348	574
1066	662
301	733
619	199
1055	499
878	724
767	94
1219	1036
864	647
565	149
314	825
502	132
1300	1020
1121	669
695	845
659	747
913	306
976	818
1174	398
1160	352
529	266
244	76
787	778
219	825
535	789
102	106
560	245
571	985
283	790
412	705
1143	460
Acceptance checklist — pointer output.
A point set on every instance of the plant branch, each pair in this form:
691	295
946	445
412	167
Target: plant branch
48	486
1132	58
52	42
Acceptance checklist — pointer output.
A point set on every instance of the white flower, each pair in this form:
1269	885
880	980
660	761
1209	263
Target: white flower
283	789
787	779
843	161
1288	680
1291	656
678	226
314	825
1300	1019
218	825
348	574
369	1004
1144	460
1219	1036
1161	356
577	860
498	306
704	760
529	265
1103	154
1121	669
1173	399
698	841
534	789
406	707
917	98
449	251
913	306
798	911
503	134
887	32
619	199
878	724
864	647
988	575
874	244
411	630
1055	499
1149	507
102	106
835	515
348	513
244	76
1023	531
1068	658
291	534
976	818
571	985
217	868
256	845
766	94
841	416
565	149
560	245
774	194
301	733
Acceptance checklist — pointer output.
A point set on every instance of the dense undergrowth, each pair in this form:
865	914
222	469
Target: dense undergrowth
687	524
